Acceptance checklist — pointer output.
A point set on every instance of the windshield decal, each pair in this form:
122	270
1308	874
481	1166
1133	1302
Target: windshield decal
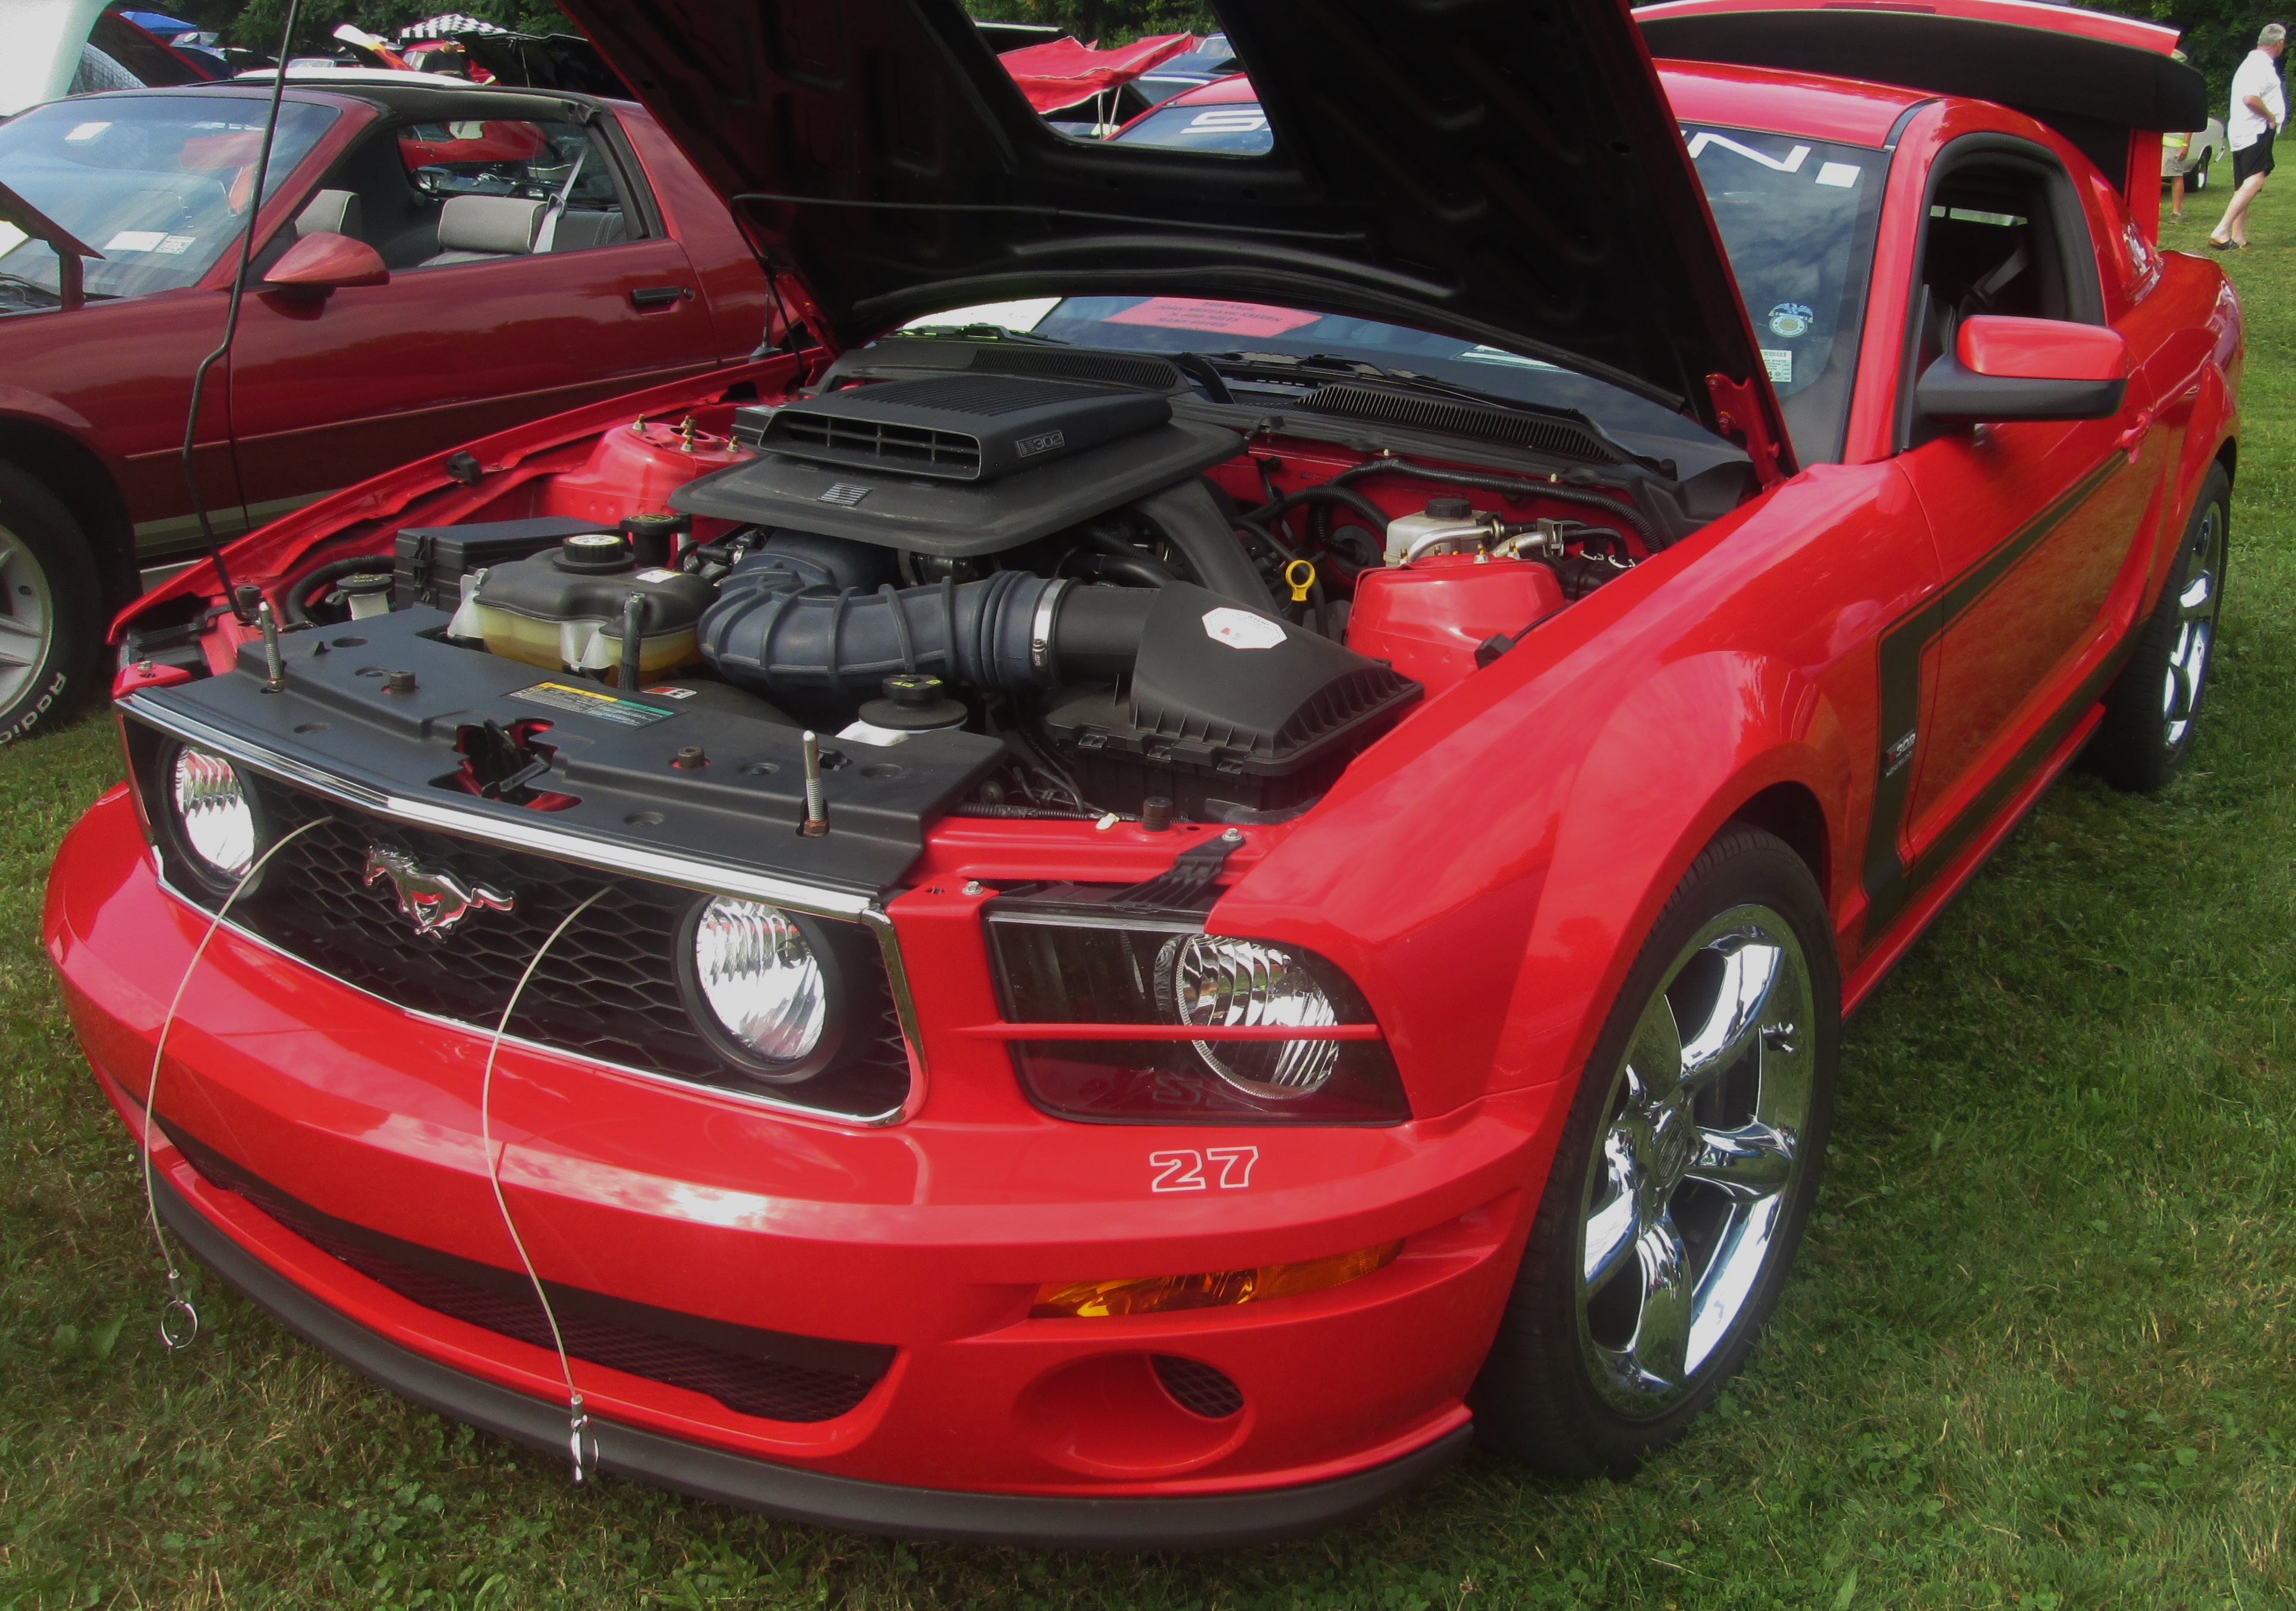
1219	318
1790	163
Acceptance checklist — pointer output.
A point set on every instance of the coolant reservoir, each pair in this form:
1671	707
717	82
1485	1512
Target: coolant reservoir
1427	618
566	611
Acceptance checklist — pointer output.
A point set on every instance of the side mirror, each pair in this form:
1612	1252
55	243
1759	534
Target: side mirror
2004	369
318	264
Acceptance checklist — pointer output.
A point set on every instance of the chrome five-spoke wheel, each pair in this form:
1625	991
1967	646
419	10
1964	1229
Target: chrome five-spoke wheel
2151	710
1694	1162
1687	1166
2196	626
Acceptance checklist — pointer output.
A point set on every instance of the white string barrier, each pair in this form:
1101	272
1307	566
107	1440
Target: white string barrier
577	1422
178	1309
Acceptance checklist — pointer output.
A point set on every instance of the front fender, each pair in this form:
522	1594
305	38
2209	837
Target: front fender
1485	872
1679	757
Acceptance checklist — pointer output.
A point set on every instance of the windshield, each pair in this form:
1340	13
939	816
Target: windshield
1797	219
1281	335
1797	216
158	184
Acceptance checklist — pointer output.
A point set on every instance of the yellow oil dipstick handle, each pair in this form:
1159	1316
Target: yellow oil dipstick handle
1299	576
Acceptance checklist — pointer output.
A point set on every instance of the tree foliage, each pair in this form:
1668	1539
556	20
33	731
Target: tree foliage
1109	21
2217	34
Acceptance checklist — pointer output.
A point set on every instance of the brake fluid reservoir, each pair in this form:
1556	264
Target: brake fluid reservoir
563	611
1426	619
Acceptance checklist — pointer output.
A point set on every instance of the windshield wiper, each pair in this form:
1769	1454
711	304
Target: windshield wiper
981	333
1323	369
18	282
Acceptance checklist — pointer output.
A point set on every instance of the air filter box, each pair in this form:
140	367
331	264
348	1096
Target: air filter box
1227	704
959	427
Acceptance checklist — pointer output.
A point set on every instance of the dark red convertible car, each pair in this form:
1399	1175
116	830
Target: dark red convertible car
506	254
1125	932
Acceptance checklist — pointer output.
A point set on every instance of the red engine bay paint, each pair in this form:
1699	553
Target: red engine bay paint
1426	619
633	468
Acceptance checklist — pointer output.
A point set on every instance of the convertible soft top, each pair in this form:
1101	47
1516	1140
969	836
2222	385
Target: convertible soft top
2107	84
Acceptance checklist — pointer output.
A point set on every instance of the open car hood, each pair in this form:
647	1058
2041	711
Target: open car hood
1498	170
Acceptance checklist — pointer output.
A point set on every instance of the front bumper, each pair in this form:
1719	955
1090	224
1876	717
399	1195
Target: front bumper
791	1493
928	1238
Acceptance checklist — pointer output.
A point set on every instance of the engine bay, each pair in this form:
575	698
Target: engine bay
1157	598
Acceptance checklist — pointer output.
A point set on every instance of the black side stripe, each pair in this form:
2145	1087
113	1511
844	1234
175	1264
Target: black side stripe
1889	882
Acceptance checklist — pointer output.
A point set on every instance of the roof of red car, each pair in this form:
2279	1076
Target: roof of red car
1839	110
1220	92
2050	14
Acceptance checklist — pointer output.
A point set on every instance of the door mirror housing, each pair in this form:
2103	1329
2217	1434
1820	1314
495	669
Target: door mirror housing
2003	368
318	264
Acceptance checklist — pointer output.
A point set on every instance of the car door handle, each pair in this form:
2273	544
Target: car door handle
2132	441
659	296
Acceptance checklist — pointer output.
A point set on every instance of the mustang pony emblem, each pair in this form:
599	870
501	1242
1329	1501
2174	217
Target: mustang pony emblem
434	902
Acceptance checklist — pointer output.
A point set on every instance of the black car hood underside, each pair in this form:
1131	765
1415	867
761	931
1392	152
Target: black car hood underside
1505	171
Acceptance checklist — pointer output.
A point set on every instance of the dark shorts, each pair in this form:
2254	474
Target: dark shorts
2256	160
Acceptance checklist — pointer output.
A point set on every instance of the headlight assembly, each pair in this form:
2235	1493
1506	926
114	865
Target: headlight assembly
1067	961
1212	981
211	815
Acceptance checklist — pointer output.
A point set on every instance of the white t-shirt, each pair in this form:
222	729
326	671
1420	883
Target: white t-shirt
2256	76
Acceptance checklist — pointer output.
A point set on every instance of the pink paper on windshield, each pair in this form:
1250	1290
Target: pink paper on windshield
1222	318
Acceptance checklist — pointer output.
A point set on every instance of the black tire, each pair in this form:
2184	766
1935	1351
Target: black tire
52	609
2151	710
2197	180
1555	1390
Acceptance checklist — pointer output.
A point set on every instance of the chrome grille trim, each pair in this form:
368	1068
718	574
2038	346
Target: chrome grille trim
703	877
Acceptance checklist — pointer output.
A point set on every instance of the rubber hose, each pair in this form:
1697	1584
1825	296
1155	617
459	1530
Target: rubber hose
1194	526
1133	570
1552	491
1328	492
291	610
766	633
1143	569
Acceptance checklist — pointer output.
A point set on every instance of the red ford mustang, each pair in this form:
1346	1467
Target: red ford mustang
496	255
1116	915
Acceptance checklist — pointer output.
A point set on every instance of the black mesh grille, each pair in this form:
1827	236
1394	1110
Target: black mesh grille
607	988
743	1376
1198	1388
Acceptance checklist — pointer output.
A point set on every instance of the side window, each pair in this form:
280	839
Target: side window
508	187
2004	234
428	194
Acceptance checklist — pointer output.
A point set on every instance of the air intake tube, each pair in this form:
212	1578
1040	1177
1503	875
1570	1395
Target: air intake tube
1009	633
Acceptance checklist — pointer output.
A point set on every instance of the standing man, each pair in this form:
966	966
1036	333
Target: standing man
2259	108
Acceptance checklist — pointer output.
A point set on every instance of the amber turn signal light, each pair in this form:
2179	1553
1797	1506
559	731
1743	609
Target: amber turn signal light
1155	1295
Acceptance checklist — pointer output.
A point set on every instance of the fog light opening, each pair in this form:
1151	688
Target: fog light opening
1158	1294
1200	1389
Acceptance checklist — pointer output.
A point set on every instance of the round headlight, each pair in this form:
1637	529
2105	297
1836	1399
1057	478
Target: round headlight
1211	983
212	815
759	977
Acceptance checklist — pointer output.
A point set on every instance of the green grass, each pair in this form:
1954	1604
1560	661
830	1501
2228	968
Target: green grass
2037	1352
